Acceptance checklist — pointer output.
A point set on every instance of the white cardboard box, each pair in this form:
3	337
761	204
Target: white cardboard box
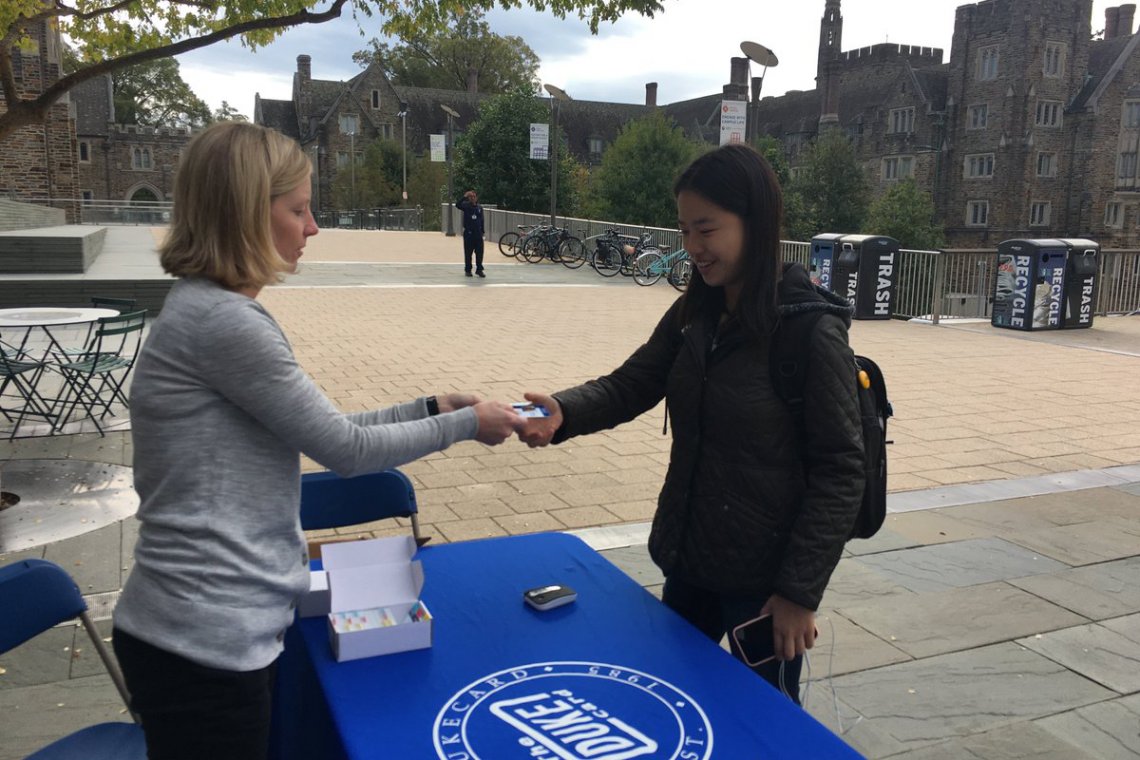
368	575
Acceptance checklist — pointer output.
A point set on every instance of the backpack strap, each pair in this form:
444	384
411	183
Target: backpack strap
788	362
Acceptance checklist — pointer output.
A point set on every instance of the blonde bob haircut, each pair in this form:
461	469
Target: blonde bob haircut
220	227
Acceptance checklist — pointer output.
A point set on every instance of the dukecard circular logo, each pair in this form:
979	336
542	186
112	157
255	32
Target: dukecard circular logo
572	711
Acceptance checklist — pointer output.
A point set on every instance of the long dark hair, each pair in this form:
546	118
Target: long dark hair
739	180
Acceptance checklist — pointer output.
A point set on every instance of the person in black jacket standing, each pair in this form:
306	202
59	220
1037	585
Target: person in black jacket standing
472	212
751	520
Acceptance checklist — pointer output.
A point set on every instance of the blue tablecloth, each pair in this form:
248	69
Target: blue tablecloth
613	676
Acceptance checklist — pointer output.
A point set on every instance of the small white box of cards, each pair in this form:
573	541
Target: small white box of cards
373	591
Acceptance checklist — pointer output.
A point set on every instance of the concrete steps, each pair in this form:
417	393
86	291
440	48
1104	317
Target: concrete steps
51	250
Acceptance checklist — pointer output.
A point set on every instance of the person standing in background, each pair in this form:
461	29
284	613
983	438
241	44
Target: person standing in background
472	212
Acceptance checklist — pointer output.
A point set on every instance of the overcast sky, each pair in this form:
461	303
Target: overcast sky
686	49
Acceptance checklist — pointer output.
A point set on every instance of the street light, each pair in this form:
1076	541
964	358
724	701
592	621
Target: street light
754	51
451	114
556	94
404	119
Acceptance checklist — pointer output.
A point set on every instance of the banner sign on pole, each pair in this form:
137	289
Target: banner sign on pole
438	148
540	141
733	118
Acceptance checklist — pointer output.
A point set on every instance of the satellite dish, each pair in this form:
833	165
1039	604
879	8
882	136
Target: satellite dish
556	92
759	54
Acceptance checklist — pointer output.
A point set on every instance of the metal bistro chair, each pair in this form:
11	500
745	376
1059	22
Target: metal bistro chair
34	597
121	305
330	501
89	379
24	377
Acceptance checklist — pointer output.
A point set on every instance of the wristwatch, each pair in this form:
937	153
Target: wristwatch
432	406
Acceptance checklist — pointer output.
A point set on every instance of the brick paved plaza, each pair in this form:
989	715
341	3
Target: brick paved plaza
996	615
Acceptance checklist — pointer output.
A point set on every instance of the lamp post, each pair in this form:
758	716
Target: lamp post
404	128
451	114
556	94
754	51
352	160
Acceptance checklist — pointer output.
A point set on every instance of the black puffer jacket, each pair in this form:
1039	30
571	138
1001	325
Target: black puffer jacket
740	513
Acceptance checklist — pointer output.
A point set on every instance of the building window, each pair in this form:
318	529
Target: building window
84	152
87	196
898	167
359	156
902	121
1055	59
375	98
1132	114
977	213
1112	216
1127	167
342	159
980	166
1039	213
596	145
349	124
988	63
1049	113
979	116
1046	164
140	158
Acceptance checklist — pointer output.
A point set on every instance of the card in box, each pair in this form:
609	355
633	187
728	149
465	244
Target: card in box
369	579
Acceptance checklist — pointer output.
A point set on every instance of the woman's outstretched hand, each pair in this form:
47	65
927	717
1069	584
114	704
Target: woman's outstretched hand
497	422
539	430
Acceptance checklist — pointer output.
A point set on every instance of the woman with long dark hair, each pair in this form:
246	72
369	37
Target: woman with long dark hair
751	520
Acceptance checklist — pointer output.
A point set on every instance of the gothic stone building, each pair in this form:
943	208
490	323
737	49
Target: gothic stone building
122	162
38	163
335	120
1032	129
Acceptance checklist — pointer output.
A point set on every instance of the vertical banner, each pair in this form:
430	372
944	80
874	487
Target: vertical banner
540	141
438	148
733	118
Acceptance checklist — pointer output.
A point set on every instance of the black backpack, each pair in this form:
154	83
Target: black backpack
790	346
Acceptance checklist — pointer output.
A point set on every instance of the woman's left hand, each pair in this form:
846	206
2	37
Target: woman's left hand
793	627
453	402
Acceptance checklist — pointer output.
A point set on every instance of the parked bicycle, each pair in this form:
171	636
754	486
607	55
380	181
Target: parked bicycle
613	253
511	242
555	244
652	265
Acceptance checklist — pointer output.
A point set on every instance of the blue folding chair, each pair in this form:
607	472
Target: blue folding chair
330	501
35	596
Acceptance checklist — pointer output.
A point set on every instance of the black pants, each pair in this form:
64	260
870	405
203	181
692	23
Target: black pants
714	615
472	243
192	712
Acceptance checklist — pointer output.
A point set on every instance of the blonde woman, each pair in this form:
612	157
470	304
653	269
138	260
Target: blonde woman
221	413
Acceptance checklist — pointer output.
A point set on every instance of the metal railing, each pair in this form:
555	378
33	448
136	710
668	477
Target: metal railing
372	219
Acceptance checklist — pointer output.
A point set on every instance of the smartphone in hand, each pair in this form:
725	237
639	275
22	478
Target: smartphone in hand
755	640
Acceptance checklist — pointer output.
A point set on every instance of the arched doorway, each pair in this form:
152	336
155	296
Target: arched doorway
143	195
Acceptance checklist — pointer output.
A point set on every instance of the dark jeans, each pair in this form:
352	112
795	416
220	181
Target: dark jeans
472	243
192	712
714	615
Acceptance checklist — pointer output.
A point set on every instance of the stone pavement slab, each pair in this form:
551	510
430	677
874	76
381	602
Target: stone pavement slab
1097	592
965	692
1021	741
951	620
1108	652
844	647
1106	730
963	563
34	716
1084	543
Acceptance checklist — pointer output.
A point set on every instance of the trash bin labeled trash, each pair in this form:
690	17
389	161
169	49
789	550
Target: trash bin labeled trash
866	273
821	259
1030	285
1081	281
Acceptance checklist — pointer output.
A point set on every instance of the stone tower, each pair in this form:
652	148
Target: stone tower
830	47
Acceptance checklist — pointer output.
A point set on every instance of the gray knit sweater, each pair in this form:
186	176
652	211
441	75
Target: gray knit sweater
220	412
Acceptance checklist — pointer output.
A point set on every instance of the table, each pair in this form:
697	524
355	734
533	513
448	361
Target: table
46	317
615	675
